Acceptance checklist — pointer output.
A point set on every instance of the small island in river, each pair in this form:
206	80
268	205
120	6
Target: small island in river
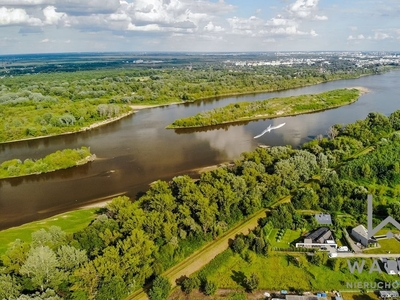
271	108
59	160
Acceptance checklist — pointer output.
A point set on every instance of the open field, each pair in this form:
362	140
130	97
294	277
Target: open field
286	240
277	271
69	222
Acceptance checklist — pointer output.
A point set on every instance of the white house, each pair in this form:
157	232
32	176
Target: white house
360	234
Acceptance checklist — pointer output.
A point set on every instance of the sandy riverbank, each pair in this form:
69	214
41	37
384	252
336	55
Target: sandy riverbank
362	89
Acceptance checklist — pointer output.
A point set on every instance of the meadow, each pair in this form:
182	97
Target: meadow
282	271
69	222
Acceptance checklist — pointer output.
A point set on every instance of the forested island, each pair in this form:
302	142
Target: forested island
270	108
59	160
132	244
39	105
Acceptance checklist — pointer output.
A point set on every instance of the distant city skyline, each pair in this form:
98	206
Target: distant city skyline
51	26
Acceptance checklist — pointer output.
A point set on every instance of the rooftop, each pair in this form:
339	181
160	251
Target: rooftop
319	233
323	219
361	230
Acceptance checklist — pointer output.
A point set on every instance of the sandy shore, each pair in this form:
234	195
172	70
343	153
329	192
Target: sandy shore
139	107
362	89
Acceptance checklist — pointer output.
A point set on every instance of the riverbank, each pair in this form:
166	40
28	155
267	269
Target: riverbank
271	108
134	109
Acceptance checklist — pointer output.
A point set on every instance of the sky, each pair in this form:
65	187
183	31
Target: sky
49	26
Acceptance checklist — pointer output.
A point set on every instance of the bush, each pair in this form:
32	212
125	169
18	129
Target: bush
210	288
161	288
189	284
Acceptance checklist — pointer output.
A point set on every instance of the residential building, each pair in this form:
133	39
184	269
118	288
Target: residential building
360	234
319	238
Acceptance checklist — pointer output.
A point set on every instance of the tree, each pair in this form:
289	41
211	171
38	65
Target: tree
189	284
9	288
41	267
251	283
70	258
160	289
238	245
15	256
210	288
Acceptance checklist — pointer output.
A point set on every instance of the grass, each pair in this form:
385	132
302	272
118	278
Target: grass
278	272
69	222
286	240
270	108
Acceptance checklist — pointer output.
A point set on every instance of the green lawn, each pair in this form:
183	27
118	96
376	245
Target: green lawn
69	222
287	238
277	272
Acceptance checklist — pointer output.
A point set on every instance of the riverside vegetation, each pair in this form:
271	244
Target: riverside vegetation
39	105
130	244
59	160
270	108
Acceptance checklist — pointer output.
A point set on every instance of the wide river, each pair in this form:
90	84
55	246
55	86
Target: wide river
138	150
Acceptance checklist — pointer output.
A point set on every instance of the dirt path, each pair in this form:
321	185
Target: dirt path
205	254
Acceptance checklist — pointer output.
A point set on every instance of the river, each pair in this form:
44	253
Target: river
138	150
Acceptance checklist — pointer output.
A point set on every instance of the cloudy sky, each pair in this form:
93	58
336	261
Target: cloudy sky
38	26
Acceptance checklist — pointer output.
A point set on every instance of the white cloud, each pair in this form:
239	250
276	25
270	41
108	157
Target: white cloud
353	28
51	16
381	36
320	18
280	21
17	16
148	27
212	28
25	2
303	8
45	41
358	37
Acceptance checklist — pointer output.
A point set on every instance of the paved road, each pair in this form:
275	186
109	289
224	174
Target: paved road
366	255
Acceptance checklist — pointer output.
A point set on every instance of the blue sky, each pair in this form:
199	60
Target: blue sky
39	26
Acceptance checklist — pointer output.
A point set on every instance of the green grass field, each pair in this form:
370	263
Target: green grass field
278	272
287	238
69	222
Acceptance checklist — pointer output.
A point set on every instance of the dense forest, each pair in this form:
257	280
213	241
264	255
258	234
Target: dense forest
270	108
38	105
130	244
64	159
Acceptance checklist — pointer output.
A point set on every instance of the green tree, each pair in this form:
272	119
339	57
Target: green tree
160	289
190	284
210	288
9	287
252	282
41	267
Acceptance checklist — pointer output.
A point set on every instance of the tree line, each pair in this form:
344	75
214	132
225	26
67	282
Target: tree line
129	244
59	160
269	108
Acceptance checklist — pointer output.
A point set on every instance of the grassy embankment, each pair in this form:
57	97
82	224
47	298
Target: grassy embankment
270	108
69	222
59	160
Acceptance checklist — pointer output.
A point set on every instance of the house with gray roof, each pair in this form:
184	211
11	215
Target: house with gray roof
360	234
321	237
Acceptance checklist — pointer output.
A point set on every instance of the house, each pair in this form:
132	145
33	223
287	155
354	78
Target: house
323	219
360	234
321	237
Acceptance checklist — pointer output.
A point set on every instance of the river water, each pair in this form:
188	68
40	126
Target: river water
138	150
